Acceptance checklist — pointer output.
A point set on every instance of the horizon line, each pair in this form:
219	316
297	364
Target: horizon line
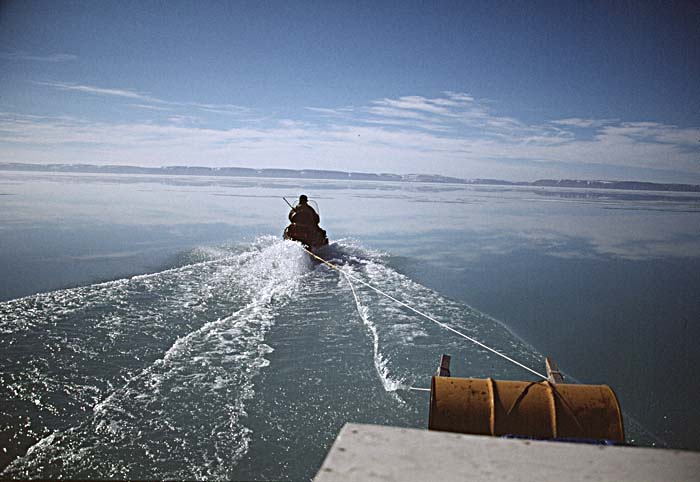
439	178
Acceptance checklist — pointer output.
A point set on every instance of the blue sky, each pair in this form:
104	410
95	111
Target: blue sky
513	90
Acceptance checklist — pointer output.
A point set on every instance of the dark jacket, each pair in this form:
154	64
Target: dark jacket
305	215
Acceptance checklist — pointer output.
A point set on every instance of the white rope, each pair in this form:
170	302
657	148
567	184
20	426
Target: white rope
439	323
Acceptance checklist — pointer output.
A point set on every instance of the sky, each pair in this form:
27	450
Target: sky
507	90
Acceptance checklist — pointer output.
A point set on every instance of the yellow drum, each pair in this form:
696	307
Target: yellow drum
540	410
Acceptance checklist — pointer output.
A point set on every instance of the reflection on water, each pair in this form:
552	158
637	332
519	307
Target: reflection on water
610	195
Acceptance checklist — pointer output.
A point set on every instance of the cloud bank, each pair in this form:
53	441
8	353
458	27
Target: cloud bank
452	134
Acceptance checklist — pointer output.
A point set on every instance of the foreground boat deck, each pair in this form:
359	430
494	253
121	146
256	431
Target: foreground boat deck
373	452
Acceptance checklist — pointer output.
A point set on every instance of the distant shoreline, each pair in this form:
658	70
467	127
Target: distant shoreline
341	175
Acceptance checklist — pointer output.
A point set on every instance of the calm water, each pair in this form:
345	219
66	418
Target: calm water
159	328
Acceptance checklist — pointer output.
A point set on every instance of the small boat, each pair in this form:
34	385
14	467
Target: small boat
312	237
304	226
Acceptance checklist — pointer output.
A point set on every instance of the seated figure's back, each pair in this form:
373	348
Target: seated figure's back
305	215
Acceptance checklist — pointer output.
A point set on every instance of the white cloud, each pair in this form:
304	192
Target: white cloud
414	102
454	135
459	97
653	132
405	123
341	111
150	107
59	57
146	101
583	123
215	108
89	89
400	113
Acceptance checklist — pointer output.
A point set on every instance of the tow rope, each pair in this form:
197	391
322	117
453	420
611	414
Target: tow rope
350	277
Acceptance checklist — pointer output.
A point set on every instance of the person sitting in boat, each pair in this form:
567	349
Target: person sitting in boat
304	225
303	214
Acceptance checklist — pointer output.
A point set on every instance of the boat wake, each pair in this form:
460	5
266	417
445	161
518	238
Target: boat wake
399	335
241	357
147	375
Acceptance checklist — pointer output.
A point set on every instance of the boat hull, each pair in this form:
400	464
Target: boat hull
311	238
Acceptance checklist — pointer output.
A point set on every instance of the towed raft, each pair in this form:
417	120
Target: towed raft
304	224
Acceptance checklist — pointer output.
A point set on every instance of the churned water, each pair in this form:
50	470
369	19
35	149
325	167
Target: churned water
157	375
191	342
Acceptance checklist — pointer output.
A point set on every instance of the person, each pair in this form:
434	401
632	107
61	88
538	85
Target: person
304	225
303	214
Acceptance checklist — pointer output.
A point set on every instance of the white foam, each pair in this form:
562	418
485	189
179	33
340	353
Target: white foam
380	362
219	358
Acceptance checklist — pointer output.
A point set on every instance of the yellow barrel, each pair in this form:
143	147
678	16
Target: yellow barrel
540	410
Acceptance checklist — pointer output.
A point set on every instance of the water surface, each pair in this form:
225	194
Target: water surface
159	328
